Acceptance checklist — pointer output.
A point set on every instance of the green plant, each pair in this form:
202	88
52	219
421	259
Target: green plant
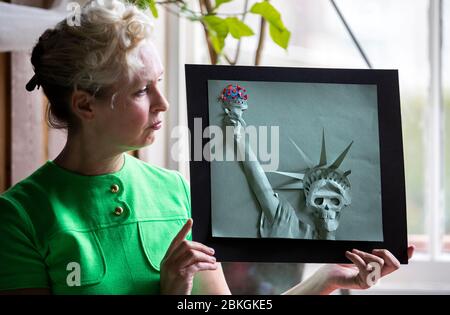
218	27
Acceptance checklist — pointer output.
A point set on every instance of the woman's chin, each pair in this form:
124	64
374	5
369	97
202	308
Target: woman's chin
145	140
142	143
150	139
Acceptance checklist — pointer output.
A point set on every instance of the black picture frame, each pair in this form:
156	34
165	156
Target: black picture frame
300	250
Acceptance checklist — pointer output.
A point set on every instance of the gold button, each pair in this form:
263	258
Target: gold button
114	188
118	211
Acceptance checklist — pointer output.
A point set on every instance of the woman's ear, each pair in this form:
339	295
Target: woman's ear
82	105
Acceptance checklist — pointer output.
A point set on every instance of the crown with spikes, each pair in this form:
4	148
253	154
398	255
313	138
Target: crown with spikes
313	173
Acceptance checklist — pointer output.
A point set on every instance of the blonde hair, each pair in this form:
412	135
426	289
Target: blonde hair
90	55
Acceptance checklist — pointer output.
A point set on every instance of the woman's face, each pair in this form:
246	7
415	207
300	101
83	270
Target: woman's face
130	119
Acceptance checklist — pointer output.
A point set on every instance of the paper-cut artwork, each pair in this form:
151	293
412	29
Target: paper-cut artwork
296	164
325	181
326	189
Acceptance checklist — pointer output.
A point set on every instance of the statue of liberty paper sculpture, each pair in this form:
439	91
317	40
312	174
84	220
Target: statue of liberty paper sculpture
326	189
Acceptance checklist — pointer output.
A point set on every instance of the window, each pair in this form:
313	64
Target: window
403	35
394	36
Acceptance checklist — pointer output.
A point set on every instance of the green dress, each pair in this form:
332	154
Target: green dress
103	234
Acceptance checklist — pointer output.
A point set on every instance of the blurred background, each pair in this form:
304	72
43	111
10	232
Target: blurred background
411	36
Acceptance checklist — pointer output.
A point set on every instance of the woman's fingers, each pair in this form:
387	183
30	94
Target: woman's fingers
180	237
183	259
411	249
358	261
183	253
193	256
186	246
368	258
387	256
391	263
365	278
386	262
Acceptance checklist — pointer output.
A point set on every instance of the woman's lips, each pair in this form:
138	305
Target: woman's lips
157	125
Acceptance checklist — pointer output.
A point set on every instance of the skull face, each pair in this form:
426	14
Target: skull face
326	199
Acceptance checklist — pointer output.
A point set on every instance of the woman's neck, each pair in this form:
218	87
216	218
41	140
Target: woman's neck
87	158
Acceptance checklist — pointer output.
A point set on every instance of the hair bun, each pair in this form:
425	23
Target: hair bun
39	49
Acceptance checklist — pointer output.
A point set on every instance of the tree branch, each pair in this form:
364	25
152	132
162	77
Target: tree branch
262	35
238	48
204	4
228	59
208	5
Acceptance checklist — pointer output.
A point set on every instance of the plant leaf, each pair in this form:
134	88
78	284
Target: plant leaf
218	43
153	9
217	31
141	4
220	2
281	38
146	4
238	28
278	32
269	13
216	24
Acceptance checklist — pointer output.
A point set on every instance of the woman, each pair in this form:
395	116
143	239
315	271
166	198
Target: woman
96	220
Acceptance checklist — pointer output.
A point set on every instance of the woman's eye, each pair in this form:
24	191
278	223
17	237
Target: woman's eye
145	90
142	92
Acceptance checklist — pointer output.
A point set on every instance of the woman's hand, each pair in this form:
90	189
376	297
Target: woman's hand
182	261
366	269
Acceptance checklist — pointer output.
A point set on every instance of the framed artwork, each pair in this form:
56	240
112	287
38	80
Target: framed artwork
296	164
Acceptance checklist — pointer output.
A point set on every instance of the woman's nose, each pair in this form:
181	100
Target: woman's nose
158	102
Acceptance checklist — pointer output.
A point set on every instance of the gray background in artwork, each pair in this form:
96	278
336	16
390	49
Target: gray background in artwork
346	111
